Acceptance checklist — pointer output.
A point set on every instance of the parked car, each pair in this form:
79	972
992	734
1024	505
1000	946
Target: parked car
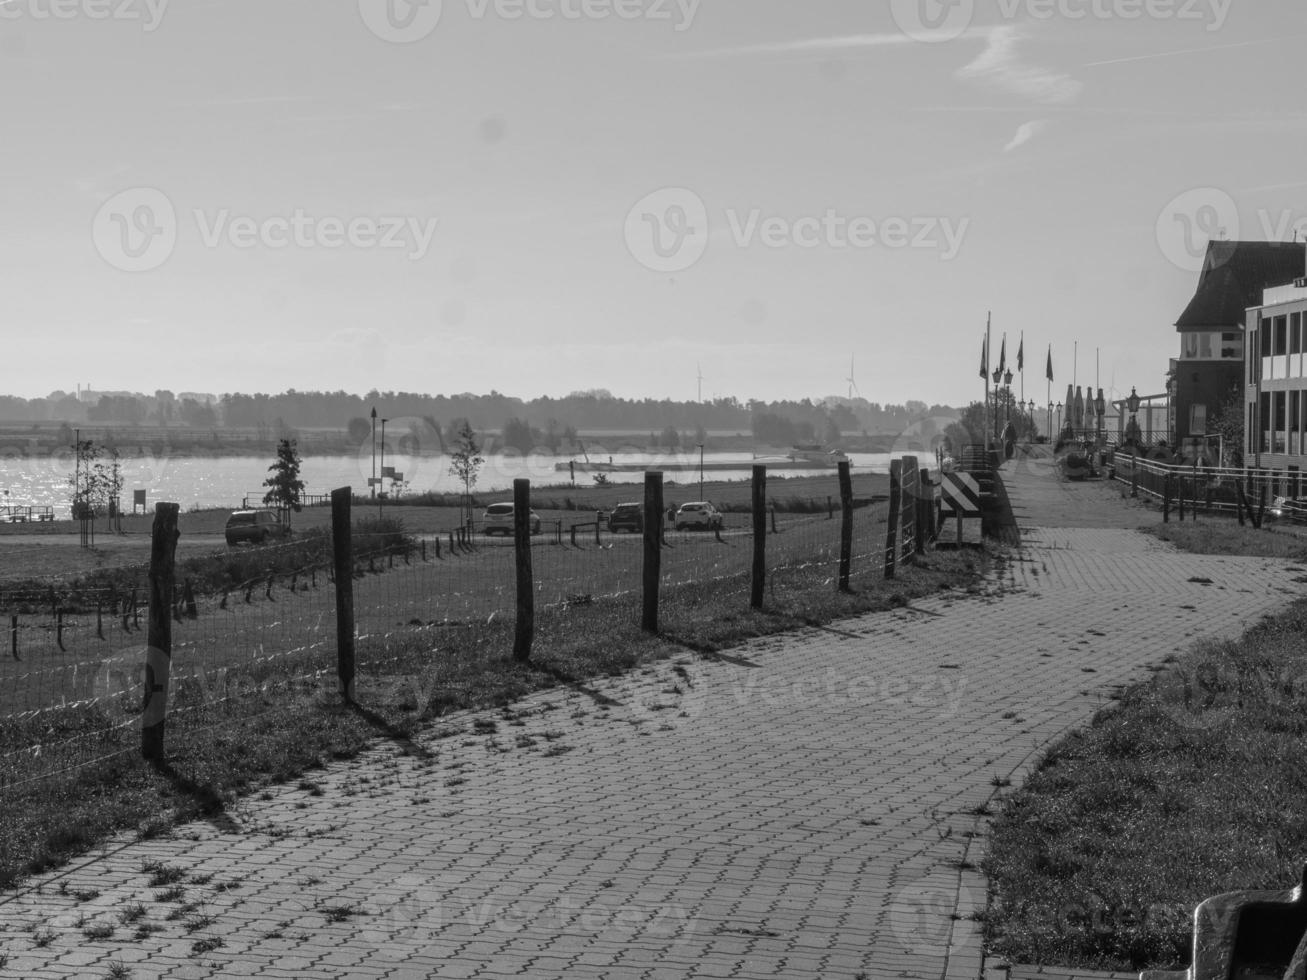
627	517
699	514
498	519
256	526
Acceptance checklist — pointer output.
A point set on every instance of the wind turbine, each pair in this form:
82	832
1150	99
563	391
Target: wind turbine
853	385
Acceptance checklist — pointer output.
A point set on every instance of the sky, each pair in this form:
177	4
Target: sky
661	198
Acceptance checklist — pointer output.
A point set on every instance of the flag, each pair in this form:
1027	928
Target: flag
1021	354
1002	356
1048	371
984	358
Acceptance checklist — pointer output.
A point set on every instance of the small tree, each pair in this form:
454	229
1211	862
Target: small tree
1228	423
284	483
466	465
97	482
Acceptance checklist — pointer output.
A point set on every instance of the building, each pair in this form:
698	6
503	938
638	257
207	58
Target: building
1275	388
1210	368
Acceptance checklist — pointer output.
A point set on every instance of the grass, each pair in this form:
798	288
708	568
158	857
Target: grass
409	681
1193	785
1225	536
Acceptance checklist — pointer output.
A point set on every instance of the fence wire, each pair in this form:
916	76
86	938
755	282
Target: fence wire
253	626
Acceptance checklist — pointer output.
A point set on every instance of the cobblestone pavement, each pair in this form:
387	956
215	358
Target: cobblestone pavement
805	806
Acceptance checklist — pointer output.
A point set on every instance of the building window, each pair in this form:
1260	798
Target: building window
1279	439
1254	362
1198	420
1295	334
1264	422
1266	338
1295	422
1281	336
1231	346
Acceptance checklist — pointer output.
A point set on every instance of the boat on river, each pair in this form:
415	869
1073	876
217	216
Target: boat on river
817	454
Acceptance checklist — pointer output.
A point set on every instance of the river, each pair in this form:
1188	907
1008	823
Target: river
224	481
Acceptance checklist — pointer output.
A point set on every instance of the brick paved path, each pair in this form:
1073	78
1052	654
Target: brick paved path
801	808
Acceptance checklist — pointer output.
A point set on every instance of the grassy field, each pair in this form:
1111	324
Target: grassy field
1192	784
434	635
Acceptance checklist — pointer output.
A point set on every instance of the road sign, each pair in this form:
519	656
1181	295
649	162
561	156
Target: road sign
961	493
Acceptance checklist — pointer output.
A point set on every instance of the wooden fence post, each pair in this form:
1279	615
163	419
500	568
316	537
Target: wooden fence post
342	558
158	637
1134	470
653	549
925	511
1166	497
759	500
1179	482
524	635
846	525
892	523
907	494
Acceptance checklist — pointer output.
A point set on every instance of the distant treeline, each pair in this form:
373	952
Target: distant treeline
582	411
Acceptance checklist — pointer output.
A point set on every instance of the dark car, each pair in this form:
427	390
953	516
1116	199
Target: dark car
627	517
256	526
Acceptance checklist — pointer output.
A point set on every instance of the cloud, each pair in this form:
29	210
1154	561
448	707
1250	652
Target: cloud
1025	133
1000	67
1154	56
818	45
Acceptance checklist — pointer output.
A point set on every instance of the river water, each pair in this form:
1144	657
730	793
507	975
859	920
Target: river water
223	481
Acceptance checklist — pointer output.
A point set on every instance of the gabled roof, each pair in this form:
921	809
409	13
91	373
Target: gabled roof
1233	277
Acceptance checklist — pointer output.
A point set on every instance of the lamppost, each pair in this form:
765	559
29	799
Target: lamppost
1007	396
1049	419
1059	420
373	482
381	497
1030	415
1132	434
700	471
998	381
1100	407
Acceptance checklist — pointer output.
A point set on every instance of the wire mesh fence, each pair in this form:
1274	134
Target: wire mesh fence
251	627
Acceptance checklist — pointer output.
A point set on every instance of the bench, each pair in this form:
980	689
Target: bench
1248	935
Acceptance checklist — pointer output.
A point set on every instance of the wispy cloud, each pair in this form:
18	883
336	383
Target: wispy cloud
1025	133
818	45
1000	66
1156	55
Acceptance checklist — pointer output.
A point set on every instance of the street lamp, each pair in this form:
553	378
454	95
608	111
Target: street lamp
1131	434
1059	420
373	482
1007	395
381	497
1100	406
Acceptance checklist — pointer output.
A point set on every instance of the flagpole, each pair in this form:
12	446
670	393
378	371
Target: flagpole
989	317
1022	349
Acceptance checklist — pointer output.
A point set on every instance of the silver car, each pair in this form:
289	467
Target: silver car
698	514
498	519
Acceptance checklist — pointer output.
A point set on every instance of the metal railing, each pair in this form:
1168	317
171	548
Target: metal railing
1214	488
